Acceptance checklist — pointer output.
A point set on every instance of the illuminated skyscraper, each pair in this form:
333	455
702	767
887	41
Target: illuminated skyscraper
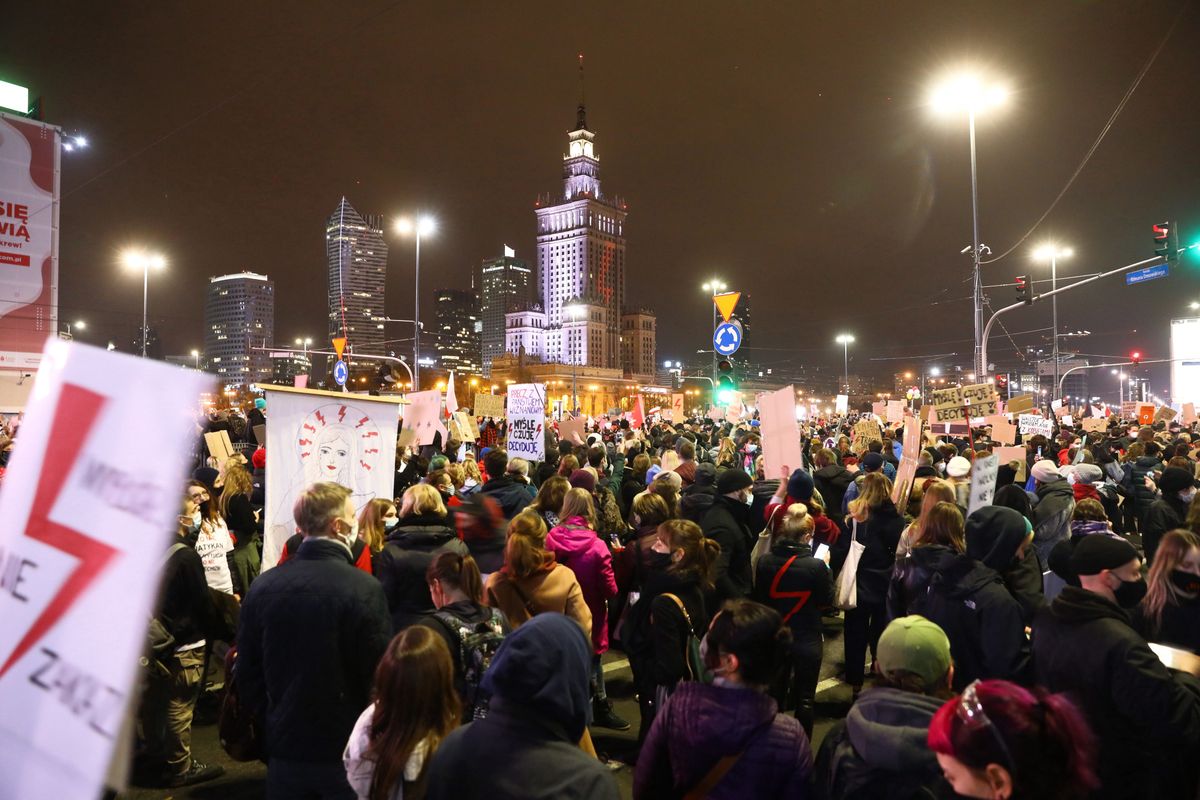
457	330
357	256
239	315
504	283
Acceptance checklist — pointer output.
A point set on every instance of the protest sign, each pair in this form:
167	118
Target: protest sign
1098	424
777	427
902	486
912	438
325	436
526	421
1034	424
716	413
469	426
1022	402
895	411
1004	432
88	521
260	435
995	419
424	415
1189	413
407	437
678	414
1165	414
1007	455
841	404
1145	414
457	432
983	482
879	409
571	429
734	412
488	405
1067	420
867	431
964	402
219	446
1129	409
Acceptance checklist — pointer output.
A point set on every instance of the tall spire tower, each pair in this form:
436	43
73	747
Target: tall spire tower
581	165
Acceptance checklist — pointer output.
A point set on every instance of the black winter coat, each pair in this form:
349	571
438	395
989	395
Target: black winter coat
789	580
511	495
310	634
727	523
1143	497
832	482
971	604
1146	718
400	566
1165	514
880	534
1179	627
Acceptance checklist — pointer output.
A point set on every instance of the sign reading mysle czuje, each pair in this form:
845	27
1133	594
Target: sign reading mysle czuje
88	521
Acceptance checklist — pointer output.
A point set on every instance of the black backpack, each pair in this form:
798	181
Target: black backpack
477	646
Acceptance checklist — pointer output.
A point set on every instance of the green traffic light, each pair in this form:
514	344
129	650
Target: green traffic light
725	396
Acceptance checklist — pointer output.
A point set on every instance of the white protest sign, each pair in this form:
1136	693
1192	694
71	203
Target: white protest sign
895	410
424	416
842	404
780	438
88	520
1033	424
526	421
983	482
325	436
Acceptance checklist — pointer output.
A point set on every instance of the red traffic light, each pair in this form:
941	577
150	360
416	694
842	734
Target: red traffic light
1162	230
1135	356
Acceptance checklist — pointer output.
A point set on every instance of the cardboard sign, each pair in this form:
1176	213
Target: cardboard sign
716	414
488	405
777	427
952	396
469	425
1189	414
571	429
88	521
895	411
867	431
983	482
1096	424
1010	454
1035	424
407	437
260	434
1145	414
527	421
219	446
879	409
1022	402
903	484
424	415
1067	420
1004	432
1165	414
842	404
677	412
1129	409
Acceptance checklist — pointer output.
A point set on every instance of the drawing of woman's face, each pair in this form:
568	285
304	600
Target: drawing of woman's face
333	456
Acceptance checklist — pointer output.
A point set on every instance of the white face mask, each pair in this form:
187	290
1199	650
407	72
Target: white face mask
196	517
351	536
390	522
1187	496
749	499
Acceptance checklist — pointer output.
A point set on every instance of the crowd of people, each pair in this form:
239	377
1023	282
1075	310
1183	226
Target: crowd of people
448	642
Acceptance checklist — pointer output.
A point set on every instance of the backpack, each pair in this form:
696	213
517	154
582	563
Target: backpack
477	646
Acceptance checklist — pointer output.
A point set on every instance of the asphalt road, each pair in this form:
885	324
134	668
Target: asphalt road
247	781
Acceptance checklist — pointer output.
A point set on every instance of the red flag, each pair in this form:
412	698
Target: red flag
638	418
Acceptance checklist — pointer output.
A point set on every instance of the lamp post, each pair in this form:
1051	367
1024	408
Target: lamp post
421	226
574	311
196	356
140	259
304	343
845	339
969	92
1052	252
80	324
714	287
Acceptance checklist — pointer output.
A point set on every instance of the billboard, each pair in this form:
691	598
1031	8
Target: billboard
1185	360
29	197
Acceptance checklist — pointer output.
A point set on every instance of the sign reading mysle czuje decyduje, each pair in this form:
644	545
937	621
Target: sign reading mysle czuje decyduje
527	421
87	523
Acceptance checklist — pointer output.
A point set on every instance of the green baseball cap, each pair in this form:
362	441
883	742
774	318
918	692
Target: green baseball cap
914	644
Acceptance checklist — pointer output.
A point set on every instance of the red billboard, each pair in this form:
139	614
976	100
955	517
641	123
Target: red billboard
29	196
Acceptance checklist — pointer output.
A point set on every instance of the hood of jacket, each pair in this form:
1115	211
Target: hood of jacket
1058	488
960	574
1077	605
1083	491
545	666
714	721
834	473
573	533
993	535
422	530
889	728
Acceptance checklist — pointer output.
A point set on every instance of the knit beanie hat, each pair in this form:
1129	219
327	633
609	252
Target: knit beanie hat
1044	471
800	486
259	458
1094	554
958	467
1089	474
1174	479
733	480
582	479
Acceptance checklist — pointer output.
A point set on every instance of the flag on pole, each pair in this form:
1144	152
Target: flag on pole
638	415
451	400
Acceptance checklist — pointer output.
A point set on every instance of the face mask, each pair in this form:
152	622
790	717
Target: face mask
196	518
1130	593
714	668
1187	496
749	499
750	448
390	522
351	536
1186	581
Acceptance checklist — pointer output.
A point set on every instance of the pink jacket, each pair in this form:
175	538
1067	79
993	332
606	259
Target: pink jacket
577	546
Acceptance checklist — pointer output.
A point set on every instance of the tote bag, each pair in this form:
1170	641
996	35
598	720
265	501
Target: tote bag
847	589
762	545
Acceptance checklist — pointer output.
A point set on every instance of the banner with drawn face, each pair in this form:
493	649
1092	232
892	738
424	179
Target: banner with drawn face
317	436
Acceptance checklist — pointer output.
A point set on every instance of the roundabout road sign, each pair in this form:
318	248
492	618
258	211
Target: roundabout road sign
340	372
727	337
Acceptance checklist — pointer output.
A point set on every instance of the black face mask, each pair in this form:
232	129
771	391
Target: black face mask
1186	581
658	560
205	508
1130	593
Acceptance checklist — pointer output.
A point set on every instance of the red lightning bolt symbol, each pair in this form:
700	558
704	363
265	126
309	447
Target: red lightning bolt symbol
778	595
77	411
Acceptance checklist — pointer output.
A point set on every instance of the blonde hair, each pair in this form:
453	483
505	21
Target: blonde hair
578	503
937	491
318	506
471	470
797	523
422	499
237	481
525	552
370	522
875	489
1171	552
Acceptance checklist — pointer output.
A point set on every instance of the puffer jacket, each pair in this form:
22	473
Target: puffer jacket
1143	497
407	552
578	547
702	723
511	495
1052	516
970	603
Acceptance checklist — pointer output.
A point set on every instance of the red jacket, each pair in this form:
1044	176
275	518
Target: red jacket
360	551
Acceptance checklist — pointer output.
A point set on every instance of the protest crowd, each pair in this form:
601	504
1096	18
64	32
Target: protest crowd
1020	614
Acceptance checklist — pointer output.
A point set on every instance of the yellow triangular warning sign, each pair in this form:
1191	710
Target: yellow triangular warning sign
726	303
339	344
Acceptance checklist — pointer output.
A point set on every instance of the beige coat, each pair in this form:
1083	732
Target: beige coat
556	590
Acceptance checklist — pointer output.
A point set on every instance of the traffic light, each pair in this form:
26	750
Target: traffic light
1166	242
1023	290
726	388
1001	381
1136	356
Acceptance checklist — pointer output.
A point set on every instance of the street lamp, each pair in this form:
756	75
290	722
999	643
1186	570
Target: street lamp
714	287
1052	252
196	355
80	324
421	226
574	312
140	259
845	339
954	95
304	342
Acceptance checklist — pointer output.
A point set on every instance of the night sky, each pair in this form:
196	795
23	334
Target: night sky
784	147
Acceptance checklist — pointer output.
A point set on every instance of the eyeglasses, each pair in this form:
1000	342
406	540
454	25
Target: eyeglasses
970	712
197	495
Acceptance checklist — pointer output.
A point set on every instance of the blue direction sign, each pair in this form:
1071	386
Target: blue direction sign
340	372
727	338
1147	274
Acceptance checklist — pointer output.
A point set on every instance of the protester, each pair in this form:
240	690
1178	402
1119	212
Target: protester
245	528
1052	512
633	482
697	499
1088	518
549	499
877	525
667	485
211	539
958	473
798	487
531	582
798	586
831	479
512	495
527	747
377	519
727	523
1002	540
880	749
1170	612
1170	510
312	632
871	462
575	543
1143	714
415	708
998	740
647	513
726	739
935	491
422	533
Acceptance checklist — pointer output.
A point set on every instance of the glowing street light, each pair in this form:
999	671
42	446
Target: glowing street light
714	288
1052	252
134	259
196	355
575	311
845	340
423	225
973	94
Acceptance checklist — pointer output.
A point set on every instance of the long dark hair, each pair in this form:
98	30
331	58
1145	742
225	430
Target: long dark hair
457	572
415	701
